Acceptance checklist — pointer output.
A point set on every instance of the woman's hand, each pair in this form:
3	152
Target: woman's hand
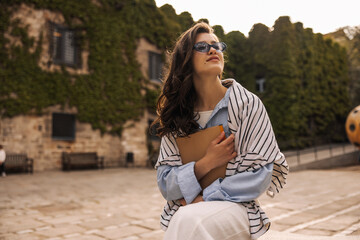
218	153
199	198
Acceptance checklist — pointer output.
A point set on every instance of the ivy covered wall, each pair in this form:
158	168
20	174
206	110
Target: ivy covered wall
111	93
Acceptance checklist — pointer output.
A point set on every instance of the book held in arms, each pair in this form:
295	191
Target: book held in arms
193	148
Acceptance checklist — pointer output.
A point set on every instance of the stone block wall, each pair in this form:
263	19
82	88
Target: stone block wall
33	135
134	139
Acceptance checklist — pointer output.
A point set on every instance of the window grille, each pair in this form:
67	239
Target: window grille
63	47
63	126
155	66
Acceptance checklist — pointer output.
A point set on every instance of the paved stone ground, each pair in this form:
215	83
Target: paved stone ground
126	204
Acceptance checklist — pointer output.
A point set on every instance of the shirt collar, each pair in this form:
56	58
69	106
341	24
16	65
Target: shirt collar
223	103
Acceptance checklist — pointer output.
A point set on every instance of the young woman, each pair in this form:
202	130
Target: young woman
194	97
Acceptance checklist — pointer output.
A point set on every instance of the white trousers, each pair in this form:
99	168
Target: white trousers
217	220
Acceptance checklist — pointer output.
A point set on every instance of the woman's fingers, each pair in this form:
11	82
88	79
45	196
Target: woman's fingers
230	148
219	138
228	140
220	151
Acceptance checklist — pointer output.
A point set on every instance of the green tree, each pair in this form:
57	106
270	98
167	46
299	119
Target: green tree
306	77
219	32
186	21
329	90
258	42
205	20
354	68
237	61
282	81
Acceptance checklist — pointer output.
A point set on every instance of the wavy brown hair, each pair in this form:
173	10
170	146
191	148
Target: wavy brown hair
175	106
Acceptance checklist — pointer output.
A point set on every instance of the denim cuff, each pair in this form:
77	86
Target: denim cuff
213	192
189	185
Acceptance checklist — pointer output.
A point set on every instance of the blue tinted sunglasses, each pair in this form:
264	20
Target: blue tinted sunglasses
205	47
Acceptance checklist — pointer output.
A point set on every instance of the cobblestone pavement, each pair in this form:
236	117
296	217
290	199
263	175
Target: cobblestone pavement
125	204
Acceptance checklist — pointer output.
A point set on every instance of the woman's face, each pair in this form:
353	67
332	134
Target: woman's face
208	63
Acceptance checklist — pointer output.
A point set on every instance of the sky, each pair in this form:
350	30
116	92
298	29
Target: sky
323	16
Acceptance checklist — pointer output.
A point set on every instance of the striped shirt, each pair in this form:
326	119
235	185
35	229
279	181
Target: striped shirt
256	146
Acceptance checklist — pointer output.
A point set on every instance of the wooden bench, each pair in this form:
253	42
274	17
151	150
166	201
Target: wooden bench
18	162
81	160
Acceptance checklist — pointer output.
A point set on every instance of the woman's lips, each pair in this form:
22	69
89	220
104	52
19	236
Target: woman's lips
213	59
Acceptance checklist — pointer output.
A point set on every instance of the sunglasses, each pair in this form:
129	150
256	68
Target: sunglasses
205	47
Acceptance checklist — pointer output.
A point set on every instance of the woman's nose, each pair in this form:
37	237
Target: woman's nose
212	50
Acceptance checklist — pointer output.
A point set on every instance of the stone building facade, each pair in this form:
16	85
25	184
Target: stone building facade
34	135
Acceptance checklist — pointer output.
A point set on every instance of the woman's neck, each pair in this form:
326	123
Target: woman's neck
209	92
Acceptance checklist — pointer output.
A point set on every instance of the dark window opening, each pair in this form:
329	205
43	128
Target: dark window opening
260	85
155	66
63	47
63	126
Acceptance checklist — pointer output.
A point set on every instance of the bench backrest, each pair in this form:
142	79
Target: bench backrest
15	159
81	157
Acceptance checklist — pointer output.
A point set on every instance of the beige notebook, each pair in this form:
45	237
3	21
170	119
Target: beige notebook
193	148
